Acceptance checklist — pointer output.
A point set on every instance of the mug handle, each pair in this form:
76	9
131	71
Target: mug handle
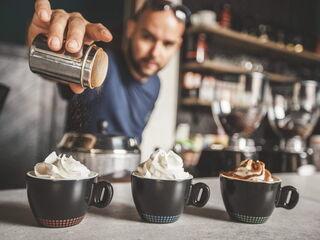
282	198
102	194
194	195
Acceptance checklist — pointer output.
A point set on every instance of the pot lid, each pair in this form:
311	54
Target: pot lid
101	142
88	142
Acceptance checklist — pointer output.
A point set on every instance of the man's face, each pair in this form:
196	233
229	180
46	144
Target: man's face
152	40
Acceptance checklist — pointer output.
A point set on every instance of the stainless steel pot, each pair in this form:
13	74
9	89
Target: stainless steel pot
113	157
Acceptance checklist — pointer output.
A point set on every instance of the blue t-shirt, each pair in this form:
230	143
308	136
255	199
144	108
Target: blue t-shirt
122	101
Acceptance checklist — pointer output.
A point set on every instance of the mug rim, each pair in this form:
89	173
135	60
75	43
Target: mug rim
276	179
162	180
32	175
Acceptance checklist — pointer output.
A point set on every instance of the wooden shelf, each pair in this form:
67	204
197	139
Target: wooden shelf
220	68
195	102
214	66
275	77
249	42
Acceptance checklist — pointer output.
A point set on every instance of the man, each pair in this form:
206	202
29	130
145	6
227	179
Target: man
131	87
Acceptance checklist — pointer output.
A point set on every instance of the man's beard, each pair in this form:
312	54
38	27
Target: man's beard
134	64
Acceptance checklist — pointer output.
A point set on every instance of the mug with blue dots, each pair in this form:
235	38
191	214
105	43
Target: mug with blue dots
163	201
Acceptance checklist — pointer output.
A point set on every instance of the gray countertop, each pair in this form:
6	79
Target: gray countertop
121	221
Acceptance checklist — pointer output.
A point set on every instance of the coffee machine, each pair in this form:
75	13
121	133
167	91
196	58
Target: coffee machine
238	107
293	112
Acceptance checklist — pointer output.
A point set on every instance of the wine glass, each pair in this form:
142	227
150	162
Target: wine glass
293	113
238	106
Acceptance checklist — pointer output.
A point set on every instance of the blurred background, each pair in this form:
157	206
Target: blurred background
228	39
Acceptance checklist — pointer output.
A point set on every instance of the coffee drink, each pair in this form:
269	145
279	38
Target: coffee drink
251	170
250	193
60	191
161	188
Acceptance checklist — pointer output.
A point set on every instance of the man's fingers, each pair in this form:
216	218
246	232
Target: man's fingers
56	30
77	89
87	40
98	32
43	10
76	32
36	27
56	23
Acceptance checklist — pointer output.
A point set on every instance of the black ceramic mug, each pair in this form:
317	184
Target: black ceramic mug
253	202
163	201
64	202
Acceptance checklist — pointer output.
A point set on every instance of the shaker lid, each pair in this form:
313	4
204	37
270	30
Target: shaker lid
95	67
98	143
100	68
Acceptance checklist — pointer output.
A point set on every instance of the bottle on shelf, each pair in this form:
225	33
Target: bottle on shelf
191	84
225	16
206	90
190	46
263	32
202	48
196	48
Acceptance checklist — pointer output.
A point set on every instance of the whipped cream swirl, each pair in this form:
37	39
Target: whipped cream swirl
163	165
251	170
61	167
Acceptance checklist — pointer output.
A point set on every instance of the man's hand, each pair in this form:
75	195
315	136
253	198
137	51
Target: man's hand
56	24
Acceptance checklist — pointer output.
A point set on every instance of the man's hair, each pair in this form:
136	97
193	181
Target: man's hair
140	11
148	5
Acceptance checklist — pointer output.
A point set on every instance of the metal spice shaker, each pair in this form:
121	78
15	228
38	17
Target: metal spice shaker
88	69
